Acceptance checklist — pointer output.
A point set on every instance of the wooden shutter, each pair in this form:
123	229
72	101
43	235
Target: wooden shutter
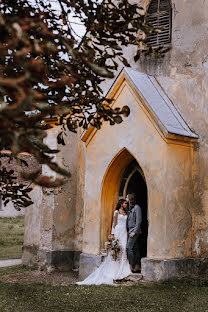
159	14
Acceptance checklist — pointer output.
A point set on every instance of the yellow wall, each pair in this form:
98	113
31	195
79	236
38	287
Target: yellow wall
167	169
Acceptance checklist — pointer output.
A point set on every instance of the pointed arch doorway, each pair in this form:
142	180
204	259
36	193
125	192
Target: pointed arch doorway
124	175
133	181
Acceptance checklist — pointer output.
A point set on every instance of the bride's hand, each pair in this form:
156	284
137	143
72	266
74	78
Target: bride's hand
131	234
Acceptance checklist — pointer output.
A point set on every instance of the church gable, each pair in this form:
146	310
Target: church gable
155	139
155	102
160	106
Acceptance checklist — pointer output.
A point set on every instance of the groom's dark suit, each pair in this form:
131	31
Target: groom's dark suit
133	224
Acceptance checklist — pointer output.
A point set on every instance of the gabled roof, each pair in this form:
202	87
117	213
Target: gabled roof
156	102
159	103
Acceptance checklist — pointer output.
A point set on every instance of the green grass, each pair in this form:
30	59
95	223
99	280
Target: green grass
180	295
15	269
11	238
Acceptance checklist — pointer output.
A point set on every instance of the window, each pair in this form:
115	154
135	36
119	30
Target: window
159	14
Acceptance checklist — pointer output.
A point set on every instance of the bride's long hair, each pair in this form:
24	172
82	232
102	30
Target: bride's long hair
119	204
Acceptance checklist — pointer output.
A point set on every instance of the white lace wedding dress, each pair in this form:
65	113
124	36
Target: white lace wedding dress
111	270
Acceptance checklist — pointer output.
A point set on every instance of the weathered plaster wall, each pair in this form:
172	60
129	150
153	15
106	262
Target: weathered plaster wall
68	198
57	220
32	229
167	169
78	231
61	203
179	201
32	217
183	73
177	175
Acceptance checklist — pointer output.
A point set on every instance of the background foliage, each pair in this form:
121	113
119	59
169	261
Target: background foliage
47	69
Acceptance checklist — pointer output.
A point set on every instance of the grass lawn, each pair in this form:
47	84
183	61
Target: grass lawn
189	295
11	238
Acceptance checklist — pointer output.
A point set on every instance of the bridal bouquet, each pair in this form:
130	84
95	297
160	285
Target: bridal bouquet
112	246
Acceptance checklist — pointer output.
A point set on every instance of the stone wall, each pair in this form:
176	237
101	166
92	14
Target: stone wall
56	233
167	167
56	224
183	73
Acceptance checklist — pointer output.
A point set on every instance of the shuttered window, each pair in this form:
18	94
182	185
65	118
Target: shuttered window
159	14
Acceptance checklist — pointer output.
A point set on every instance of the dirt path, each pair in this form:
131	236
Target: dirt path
6	263
53	278
60	278
56	278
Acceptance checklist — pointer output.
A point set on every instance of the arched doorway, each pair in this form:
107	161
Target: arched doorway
133	181
123	176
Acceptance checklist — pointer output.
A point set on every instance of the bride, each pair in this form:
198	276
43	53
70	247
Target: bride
111	270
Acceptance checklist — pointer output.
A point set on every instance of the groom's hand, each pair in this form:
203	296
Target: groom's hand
131	234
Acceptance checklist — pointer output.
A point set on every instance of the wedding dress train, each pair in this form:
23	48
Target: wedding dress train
111	270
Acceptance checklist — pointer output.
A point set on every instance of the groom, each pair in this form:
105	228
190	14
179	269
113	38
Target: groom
134	220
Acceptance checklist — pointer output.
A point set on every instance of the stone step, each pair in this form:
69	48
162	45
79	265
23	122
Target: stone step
129	280
134	277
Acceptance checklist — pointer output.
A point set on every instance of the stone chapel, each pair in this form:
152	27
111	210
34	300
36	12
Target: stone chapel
159	152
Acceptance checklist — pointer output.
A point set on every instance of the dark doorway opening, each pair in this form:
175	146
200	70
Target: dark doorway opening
133	181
